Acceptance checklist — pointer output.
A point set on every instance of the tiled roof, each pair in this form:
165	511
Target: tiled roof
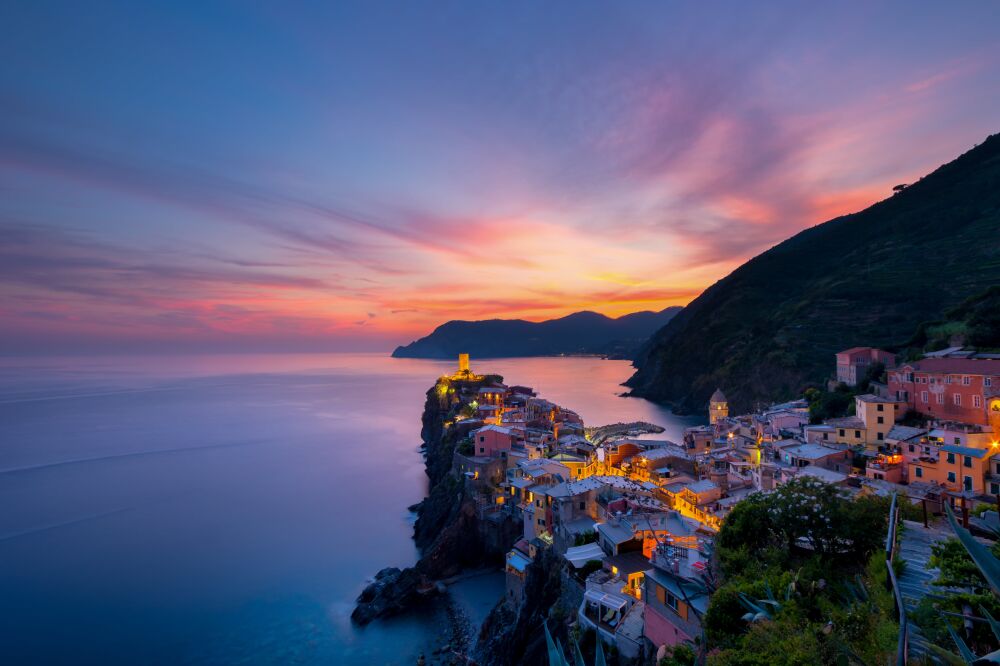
960	366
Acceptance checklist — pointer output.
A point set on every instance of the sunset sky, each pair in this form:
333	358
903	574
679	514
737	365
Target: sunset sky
280	176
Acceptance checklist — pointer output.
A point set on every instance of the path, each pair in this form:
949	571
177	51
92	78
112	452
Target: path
918	577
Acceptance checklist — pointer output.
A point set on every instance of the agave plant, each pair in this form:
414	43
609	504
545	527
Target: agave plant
762	609
989	566
557	656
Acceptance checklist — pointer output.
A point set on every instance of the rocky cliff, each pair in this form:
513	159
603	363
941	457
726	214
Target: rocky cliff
868	279
448	529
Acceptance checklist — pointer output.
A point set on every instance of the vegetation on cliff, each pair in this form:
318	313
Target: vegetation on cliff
870	278
975	322
803	580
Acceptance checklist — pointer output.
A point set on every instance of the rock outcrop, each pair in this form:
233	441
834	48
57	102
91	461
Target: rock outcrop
448	529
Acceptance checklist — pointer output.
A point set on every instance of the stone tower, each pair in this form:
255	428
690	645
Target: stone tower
718	408
463	364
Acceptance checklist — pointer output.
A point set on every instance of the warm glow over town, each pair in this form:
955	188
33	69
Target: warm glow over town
312	209
453	333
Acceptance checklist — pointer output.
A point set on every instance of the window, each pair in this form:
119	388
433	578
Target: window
923	396
919	471
977	401
826	436
951	477
857	434
966	380
987	381
948	380
967	461
995	489
951	458
967	482
841	432
672	601
880	407
880	436
482	438
881	419
583	505
911	448
940	398
957	399
482	449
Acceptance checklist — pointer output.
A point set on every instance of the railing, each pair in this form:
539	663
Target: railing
902	648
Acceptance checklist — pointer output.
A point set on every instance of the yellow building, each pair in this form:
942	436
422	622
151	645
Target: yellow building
878	416
463	364
718	407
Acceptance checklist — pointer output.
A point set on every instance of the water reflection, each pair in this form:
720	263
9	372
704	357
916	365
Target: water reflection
221	509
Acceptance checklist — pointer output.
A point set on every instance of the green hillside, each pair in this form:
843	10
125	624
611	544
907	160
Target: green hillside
869	278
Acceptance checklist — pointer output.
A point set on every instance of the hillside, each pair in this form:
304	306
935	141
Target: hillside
579	333
869	278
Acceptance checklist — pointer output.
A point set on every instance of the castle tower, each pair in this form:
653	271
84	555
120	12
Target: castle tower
718	408
463	364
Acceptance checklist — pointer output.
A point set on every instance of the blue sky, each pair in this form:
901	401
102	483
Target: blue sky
346	176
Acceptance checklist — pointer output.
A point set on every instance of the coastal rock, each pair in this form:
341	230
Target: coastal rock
393	591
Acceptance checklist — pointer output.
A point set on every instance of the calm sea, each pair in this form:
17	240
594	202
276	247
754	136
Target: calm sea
227	509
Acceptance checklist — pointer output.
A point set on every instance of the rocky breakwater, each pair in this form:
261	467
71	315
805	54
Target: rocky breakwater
448	530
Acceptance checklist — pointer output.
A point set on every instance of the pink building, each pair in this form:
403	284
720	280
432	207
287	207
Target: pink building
953	389
490	440
853	363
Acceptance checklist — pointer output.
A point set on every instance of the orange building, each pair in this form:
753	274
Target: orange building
957	468
957	389
853	363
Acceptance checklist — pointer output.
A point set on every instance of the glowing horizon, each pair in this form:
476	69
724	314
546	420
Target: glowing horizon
193	177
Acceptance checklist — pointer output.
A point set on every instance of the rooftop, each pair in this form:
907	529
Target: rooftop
966	451
823	474
902	433
811	451
870	397
962	366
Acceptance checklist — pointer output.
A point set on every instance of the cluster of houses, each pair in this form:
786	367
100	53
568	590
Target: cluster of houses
635	517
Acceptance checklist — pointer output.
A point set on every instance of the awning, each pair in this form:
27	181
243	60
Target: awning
580	555
518	561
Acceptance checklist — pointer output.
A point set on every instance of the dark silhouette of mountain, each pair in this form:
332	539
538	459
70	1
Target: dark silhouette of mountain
578	333
870	278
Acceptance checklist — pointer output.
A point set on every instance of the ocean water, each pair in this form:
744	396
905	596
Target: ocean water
228	509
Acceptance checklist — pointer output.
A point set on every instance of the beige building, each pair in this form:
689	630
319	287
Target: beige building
718	407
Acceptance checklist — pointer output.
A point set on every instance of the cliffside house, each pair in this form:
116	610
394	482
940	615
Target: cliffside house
853	363
957	389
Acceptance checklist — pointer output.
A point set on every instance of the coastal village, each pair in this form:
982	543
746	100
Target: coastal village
635	515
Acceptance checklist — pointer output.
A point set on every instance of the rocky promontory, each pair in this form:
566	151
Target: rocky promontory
448	530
